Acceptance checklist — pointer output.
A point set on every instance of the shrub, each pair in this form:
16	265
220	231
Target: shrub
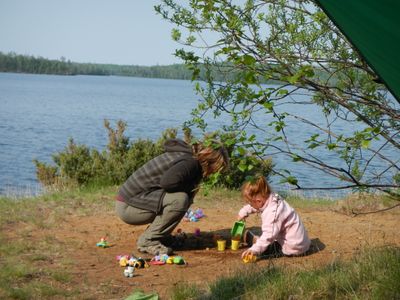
77	165
243	163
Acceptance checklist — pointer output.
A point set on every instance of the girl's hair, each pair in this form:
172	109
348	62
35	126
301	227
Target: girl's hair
258	186
212	158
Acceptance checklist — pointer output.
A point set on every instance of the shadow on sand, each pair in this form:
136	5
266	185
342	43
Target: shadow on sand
208	239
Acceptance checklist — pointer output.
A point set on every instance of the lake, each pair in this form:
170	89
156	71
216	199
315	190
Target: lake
39	113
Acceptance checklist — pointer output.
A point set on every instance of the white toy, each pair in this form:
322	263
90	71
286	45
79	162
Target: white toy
129	270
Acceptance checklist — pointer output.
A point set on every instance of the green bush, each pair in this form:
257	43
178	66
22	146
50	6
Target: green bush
77	165
243	164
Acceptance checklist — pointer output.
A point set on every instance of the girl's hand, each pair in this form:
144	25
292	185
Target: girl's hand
239	218
247	252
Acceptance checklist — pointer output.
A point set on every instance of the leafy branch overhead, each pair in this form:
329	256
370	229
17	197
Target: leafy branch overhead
288	72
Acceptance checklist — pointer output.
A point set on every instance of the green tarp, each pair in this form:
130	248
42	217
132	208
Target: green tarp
373	27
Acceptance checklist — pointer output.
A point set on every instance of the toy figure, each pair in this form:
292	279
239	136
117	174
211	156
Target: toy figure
103	243
129	270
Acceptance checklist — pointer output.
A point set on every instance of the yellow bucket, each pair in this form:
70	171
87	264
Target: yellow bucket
221	245
235	244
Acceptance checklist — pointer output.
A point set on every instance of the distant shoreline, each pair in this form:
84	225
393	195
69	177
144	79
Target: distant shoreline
26	64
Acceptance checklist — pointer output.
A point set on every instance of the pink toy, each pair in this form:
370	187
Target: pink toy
197	232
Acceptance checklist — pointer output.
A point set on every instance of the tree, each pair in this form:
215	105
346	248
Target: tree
294	44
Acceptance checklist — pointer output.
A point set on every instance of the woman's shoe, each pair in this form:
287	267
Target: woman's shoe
157	249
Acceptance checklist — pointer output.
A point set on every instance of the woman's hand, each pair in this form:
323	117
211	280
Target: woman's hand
247	252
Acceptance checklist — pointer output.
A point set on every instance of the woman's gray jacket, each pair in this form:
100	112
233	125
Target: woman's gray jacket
176	170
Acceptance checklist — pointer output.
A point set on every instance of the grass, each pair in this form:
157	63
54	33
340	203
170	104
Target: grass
24	274
374	274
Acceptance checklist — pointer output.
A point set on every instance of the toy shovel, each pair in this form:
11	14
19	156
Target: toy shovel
238	229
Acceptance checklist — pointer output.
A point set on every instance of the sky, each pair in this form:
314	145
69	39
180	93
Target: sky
97	31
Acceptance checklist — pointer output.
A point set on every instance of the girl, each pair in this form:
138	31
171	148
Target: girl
280	223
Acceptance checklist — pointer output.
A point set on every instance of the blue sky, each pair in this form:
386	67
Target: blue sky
99	31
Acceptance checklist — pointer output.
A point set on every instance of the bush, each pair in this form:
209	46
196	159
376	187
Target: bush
77	165
244	164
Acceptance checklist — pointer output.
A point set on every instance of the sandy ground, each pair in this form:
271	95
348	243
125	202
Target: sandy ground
96	273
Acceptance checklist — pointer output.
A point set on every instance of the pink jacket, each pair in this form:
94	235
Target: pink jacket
279	223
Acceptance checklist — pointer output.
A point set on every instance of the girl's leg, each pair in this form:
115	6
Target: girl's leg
249	238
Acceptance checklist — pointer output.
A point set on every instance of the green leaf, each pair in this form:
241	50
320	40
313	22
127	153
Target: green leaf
313	145
296	158
282	92
241	151
268	105
292	180
248	60
365	144
242	166
331	146
176	34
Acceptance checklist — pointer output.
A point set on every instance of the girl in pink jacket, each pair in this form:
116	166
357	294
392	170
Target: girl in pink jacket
280	222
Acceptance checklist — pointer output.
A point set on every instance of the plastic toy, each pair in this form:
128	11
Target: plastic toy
159	260
193	216
124	261
249	258
221	245
197	232
235	244
238	229
165	259
140	263
129	270
178	260
103	243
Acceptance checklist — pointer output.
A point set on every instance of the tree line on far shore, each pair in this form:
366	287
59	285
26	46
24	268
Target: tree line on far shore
16	63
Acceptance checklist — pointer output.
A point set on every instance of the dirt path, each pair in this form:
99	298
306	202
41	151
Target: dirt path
98	275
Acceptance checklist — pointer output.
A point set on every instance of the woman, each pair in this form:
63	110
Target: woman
161	191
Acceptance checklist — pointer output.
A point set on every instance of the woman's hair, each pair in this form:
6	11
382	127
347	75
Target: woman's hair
257	186
213	158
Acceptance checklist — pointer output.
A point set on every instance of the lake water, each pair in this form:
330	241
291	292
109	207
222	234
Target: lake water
39	113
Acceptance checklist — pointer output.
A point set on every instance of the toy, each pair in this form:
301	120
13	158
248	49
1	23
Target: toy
178	260
249	258
238	229
129	270
103	243
137	262
165	259
193	216
140	263
197	232
221	245
235	244
124	261
159	260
